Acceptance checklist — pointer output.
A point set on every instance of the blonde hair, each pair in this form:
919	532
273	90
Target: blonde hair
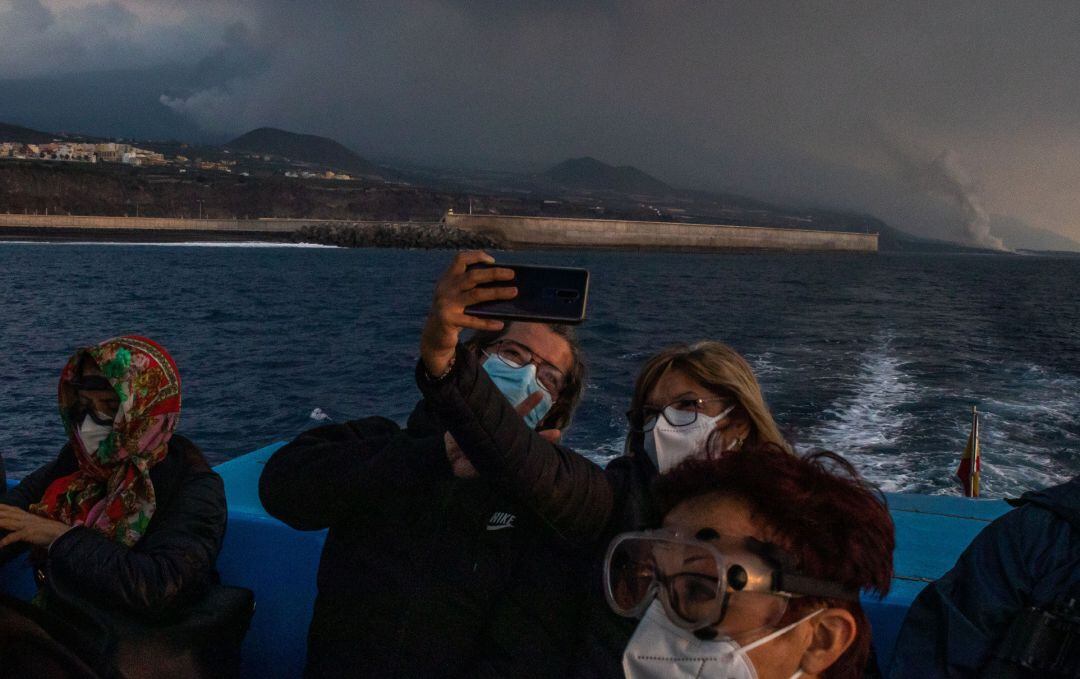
721	369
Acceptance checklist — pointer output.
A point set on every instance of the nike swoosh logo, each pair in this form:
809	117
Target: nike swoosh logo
505	525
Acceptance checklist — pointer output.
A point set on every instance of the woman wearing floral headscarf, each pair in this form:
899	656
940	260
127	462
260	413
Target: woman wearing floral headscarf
129	514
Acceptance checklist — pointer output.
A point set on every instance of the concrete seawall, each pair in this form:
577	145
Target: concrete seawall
501	231
94	223
151	229
526	232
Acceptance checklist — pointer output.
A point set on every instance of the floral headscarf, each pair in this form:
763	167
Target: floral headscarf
112	492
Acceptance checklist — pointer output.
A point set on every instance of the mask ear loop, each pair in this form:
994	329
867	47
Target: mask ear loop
775	635
778	633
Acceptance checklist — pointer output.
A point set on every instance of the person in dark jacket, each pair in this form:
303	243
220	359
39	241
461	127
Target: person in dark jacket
1014	593
430	569
129	515
683	395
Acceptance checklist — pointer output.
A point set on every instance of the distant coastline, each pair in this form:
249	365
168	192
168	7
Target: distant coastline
272	173
255	190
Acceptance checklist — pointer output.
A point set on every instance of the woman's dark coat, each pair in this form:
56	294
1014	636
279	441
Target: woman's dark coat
173	563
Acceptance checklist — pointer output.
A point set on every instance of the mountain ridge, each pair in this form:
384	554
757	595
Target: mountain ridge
25	135
308	148
588	173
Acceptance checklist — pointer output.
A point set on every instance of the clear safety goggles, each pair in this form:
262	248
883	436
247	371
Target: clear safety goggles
736	583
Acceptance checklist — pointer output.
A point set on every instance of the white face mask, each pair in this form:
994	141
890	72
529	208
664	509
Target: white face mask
662	650
668	445
91	434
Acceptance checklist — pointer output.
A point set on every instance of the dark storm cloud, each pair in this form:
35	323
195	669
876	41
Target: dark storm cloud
805	102
49	39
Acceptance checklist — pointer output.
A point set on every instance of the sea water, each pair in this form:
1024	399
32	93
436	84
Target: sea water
878	357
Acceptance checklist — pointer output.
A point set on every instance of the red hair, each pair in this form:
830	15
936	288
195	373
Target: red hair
818	509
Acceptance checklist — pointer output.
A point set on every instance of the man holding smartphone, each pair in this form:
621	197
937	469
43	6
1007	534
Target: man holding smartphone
429	568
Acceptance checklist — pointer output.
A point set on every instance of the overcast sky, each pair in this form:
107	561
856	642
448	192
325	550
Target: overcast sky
938	117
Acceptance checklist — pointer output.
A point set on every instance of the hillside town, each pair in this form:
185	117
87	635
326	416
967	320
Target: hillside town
128	154
109	152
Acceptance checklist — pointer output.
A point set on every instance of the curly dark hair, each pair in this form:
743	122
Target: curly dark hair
814	506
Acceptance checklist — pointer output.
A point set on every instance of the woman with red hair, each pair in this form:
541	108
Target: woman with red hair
756	571
129	515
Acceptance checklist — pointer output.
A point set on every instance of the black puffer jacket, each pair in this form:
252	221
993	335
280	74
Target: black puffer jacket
422	574
170	566
579	500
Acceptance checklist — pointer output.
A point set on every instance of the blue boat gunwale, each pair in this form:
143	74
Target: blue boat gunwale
280	564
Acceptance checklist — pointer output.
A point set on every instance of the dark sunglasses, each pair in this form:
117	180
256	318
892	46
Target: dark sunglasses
90	383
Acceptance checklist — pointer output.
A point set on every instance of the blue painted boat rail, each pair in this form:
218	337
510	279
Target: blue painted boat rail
280	564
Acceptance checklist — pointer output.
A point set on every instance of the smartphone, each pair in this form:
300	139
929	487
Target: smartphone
546	294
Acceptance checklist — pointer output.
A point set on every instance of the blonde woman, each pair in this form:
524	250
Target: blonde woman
685	394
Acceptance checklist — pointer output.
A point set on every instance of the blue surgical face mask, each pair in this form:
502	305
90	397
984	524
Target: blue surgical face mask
517	384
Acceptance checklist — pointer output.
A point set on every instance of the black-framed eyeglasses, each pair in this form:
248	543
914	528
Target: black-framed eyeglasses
517	355
679	413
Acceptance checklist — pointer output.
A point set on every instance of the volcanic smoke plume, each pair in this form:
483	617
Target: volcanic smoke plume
945	177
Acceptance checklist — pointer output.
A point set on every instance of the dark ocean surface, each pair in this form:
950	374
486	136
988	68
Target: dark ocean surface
877	357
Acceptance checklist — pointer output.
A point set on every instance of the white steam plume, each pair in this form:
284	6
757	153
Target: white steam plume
947	178
943	177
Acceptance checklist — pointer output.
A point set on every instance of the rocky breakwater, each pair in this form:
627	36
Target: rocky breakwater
417	235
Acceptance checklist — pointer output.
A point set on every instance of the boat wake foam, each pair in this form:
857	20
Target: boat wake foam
907	436
869	422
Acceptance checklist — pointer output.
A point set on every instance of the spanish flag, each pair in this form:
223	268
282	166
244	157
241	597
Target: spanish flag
971	462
